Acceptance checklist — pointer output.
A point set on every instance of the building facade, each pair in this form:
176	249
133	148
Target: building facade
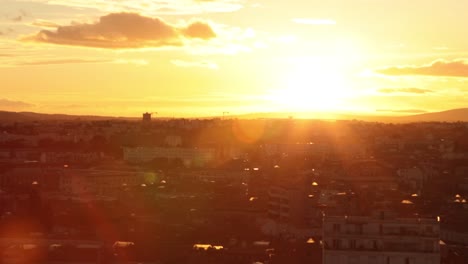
380	239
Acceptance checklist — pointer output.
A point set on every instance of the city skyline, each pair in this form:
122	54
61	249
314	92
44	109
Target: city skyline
203	58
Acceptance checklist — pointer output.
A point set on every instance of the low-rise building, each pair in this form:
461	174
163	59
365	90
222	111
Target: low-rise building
190	156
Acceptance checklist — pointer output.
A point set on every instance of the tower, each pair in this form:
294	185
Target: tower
146	117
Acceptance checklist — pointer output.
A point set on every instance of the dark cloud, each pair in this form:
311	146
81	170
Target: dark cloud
124	30
6	104
413	111
405	90
455	68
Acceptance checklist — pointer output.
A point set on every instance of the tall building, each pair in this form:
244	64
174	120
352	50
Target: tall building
381	238
146	117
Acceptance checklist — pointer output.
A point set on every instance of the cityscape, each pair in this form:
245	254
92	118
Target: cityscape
227	190
233	132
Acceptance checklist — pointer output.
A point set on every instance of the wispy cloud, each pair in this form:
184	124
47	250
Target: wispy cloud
45	23
6	104
411	90
10	60
134	62
124	30
151	7
314	21
60	61
454	68
199	64
409	111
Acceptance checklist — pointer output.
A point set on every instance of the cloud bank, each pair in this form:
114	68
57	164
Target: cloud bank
6	104
405	90
124	30
454	68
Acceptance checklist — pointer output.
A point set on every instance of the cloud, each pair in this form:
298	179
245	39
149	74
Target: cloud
21	15
313	21
61	61
199	30
405	90
454	68
413	111
151	7
124	30
6	31
134	62
200	64
45	23
6	104
17	18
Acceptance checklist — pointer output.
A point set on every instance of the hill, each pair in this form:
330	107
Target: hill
454	115
6	116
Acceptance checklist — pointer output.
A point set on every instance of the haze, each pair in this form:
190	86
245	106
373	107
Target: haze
203	58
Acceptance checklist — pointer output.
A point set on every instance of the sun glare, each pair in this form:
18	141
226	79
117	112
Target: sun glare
312	85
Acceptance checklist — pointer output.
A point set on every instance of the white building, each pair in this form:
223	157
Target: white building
380	239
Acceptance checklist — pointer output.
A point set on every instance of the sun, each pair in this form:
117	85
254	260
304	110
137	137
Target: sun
313	85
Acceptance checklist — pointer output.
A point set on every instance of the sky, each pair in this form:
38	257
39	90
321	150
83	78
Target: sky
208	57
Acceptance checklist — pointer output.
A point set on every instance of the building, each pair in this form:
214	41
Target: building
89	183
146	117
196	157
21	177
287	204
381	238
370	174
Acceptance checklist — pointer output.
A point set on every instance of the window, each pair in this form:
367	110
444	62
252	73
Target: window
352	244
336	227
359	229
336	243
353	260
429	230
372	259
428	246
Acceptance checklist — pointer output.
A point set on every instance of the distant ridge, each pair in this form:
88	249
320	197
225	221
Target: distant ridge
453	115
6	116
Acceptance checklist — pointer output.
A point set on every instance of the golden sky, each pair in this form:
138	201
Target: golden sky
206	57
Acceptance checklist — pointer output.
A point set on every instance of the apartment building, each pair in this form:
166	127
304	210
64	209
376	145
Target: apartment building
381	238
